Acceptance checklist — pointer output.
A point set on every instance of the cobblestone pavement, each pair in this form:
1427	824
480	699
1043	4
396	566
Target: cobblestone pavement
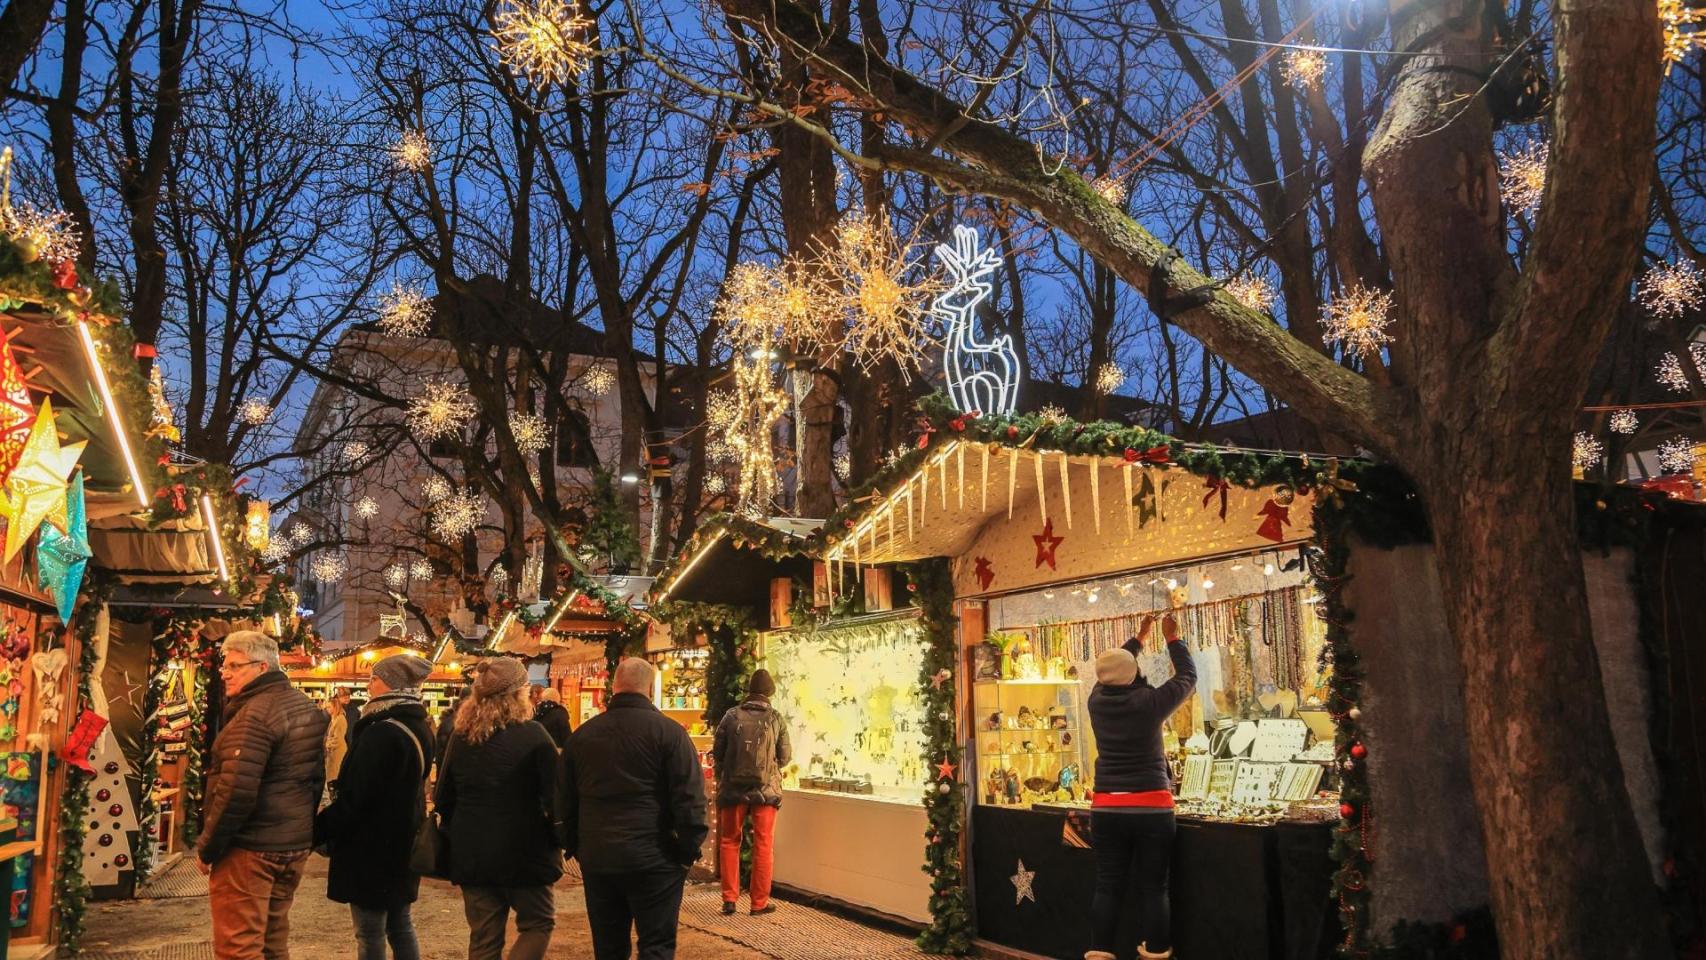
173	925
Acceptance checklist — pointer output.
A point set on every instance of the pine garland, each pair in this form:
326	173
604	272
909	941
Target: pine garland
70	890
729	636
950	930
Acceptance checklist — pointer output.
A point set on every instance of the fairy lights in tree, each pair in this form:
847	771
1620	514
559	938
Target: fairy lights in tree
1670	374
420	569
328	567
396	576
598	379
1109	377
1305	68
457	515
1671	289
412	152
49	235
721	410
721	451
1681	34
871	311
1253	292
405	311
1624	422
1522	177
1358	318
543	40
367	508
1111	189
1676	455
532	433
761	403
356	451
254	411
276	552
435	488
715	484
1586	451
442	409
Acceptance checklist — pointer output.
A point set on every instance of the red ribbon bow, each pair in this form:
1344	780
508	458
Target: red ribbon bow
177	493
1217	485
65	275
1158	454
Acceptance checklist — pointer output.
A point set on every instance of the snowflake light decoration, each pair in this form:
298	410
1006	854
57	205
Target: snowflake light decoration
1671	289
405	311
1111	189
1109	378
456	516
598	380
1670	374
543	39
715	484
1586	451
420	569
1358	318
1624	422
1676	455
721	410
396	576
1304	68
1522	177
49	235
328	567
843	466
872	312
1253	292
441	410
412	152
532	433
356	451
299	535
254	411
276	552
367	508
435	488
1680	34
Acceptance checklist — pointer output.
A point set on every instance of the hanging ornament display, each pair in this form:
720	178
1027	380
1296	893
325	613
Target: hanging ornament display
1670	374
254	411
35	490
532	433
543	40
1304	68
1047	542
598	380
983	376
48	235
405	311
1624	422
1586	451
457	515
62	557
367	508
1676	455
1669	290
1358	318
412	152
1253	292
1522	177
328	567
443	409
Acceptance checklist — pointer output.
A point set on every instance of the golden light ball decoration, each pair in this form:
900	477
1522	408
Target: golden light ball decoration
405	311
254	411
1522	177
412	152
598	380
458	515
1357	319
355	451
843	466
866	298
1586	451
276	552
328	567
1682	35
441	410
367	508
1676	455
715	484
435	488
1253	292
1623	421
1111	189
1305	68
300	535
1671	289
49	235
420	569
531	431
1670	374
396	576
1109	377
543	40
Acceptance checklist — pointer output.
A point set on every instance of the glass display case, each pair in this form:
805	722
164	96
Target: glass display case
679	693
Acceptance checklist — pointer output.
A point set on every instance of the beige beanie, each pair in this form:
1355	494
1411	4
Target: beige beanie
1116	667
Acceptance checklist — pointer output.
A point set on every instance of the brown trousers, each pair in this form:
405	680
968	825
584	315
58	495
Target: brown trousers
250	895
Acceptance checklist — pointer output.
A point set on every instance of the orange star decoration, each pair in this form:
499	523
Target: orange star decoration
945	770
35	489
16	410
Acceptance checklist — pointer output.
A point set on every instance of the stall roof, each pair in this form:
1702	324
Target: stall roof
731	560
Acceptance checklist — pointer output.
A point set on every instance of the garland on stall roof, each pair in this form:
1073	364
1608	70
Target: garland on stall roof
70	889
743	532
950	929
729	636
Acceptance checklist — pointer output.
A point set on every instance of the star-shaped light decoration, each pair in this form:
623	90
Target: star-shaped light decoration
1046	543
35	489
1624	421
945	770
1022	880
16	410
61	558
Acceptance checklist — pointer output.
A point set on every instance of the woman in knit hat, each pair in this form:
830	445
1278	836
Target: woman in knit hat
381	801
496	796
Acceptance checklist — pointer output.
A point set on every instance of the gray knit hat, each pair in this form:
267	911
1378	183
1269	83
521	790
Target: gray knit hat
403	671
501	675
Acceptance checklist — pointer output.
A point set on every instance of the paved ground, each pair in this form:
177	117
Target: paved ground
175	927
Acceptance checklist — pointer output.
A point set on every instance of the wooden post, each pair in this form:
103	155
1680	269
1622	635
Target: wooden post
879	592
781	601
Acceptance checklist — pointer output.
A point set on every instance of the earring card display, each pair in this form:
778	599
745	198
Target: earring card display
1254	781
1194	784
1221	779
1299	782
1277	741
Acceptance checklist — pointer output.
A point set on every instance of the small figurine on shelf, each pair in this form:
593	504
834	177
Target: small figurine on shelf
1012	786
996	787
1027	719
994	721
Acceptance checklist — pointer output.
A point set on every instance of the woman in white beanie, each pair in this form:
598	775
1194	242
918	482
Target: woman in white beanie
1131	816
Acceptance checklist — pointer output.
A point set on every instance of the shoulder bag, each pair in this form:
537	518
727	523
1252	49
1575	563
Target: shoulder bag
430	854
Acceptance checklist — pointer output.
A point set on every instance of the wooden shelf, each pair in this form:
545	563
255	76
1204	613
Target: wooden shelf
16	849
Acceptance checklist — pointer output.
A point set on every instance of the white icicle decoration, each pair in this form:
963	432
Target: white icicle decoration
1042	496
983	487
960	465
1066	490
942	480
1012	478
1096	492
1130	510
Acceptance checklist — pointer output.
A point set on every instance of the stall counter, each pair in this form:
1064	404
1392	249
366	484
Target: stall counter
863	851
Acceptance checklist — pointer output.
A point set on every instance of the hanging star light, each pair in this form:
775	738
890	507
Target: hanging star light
598	380
1109	377
420	569
1304	68
543	40
254	411
405	311
1586	451
764	305
1624	422
328	567
161	422
435	488
441	410
715	484
396	576
457	515
49	235
1670	374
532	433
35	489
62	557
1111	189
1522	177
1253	292
413	151
276	552
1671	289
1676	455
1358	318
367	508
17	413
872	312
1680	34
843	466
355	451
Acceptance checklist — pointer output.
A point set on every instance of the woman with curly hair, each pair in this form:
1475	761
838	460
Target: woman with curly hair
496	799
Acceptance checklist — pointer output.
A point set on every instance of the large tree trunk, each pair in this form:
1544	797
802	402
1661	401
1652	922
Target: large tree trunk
22	23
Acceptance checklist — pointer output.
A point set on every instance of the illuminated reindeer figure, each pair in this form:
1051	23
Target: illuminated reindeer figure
981	376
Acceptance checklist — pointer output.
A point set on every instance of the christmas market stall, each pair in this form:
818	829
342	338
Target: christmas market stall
568	642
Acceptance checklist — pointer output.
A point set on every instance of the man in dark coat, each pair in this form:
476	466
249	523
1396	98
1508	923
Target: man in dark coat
553	717
263	784
633	798
370	828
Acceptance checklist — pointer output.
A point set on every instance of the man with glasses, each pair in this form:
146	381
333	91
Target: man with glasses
263	786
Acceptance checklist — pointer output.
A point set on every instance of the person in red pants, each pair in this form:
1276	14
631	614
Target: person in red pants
747	756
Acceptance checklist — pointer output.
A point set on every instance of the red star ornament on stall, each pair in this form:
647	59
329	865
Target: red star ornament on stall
984	572
16	410
35	490
1046	544
945	770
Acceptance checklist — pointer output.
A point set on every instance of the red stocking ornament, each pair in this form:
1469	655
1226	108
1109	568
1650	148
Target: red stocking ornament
81	744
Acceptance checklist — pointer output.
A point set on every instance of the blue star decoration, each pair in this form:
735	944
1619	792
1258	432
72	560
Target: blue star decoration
62	557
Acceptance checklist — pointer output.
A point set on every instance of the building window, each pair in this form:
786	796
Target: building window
444	448
574	442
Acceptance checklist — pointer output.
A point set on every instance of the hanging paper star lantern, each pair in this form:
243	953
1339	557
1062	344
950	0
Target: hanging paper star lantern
16	410
61	558
35	489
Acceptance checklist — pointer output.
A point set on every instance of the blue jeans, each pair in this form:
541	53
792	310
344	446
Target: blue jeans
374	927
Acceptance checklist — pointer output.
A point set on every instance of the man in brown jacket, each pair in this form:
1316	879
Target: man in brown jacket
263	786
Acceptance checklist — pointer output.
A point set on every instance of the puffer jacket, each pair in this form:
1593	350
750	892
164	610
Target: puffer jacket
748	754
266	773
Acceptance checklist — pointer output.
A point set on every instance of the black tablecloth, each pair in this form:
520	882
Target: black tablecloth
1240	892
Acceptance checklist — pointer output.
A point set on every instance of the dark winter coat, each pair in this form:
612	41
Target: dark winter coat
555	720
370	827
632	790
267	770
750	737
498	800
446	724
352	716
1127	722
